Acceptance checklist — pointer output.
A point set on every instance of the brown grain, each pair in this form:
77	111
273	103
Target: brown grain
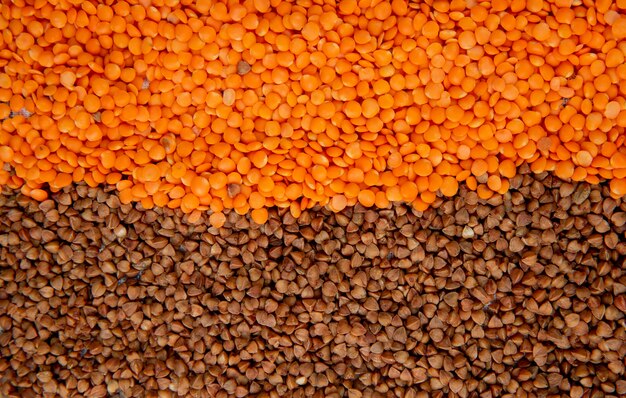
521	295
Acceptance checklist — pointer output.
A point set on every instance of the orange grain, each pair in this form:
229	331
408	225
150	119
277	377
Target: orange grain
358	102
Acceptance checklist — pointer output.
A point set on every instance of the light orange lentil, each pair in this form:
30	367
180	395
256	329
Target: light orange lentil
309	109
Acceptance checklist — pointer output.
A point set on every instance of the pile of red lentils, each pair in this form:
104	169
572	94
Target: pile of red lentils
214	105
